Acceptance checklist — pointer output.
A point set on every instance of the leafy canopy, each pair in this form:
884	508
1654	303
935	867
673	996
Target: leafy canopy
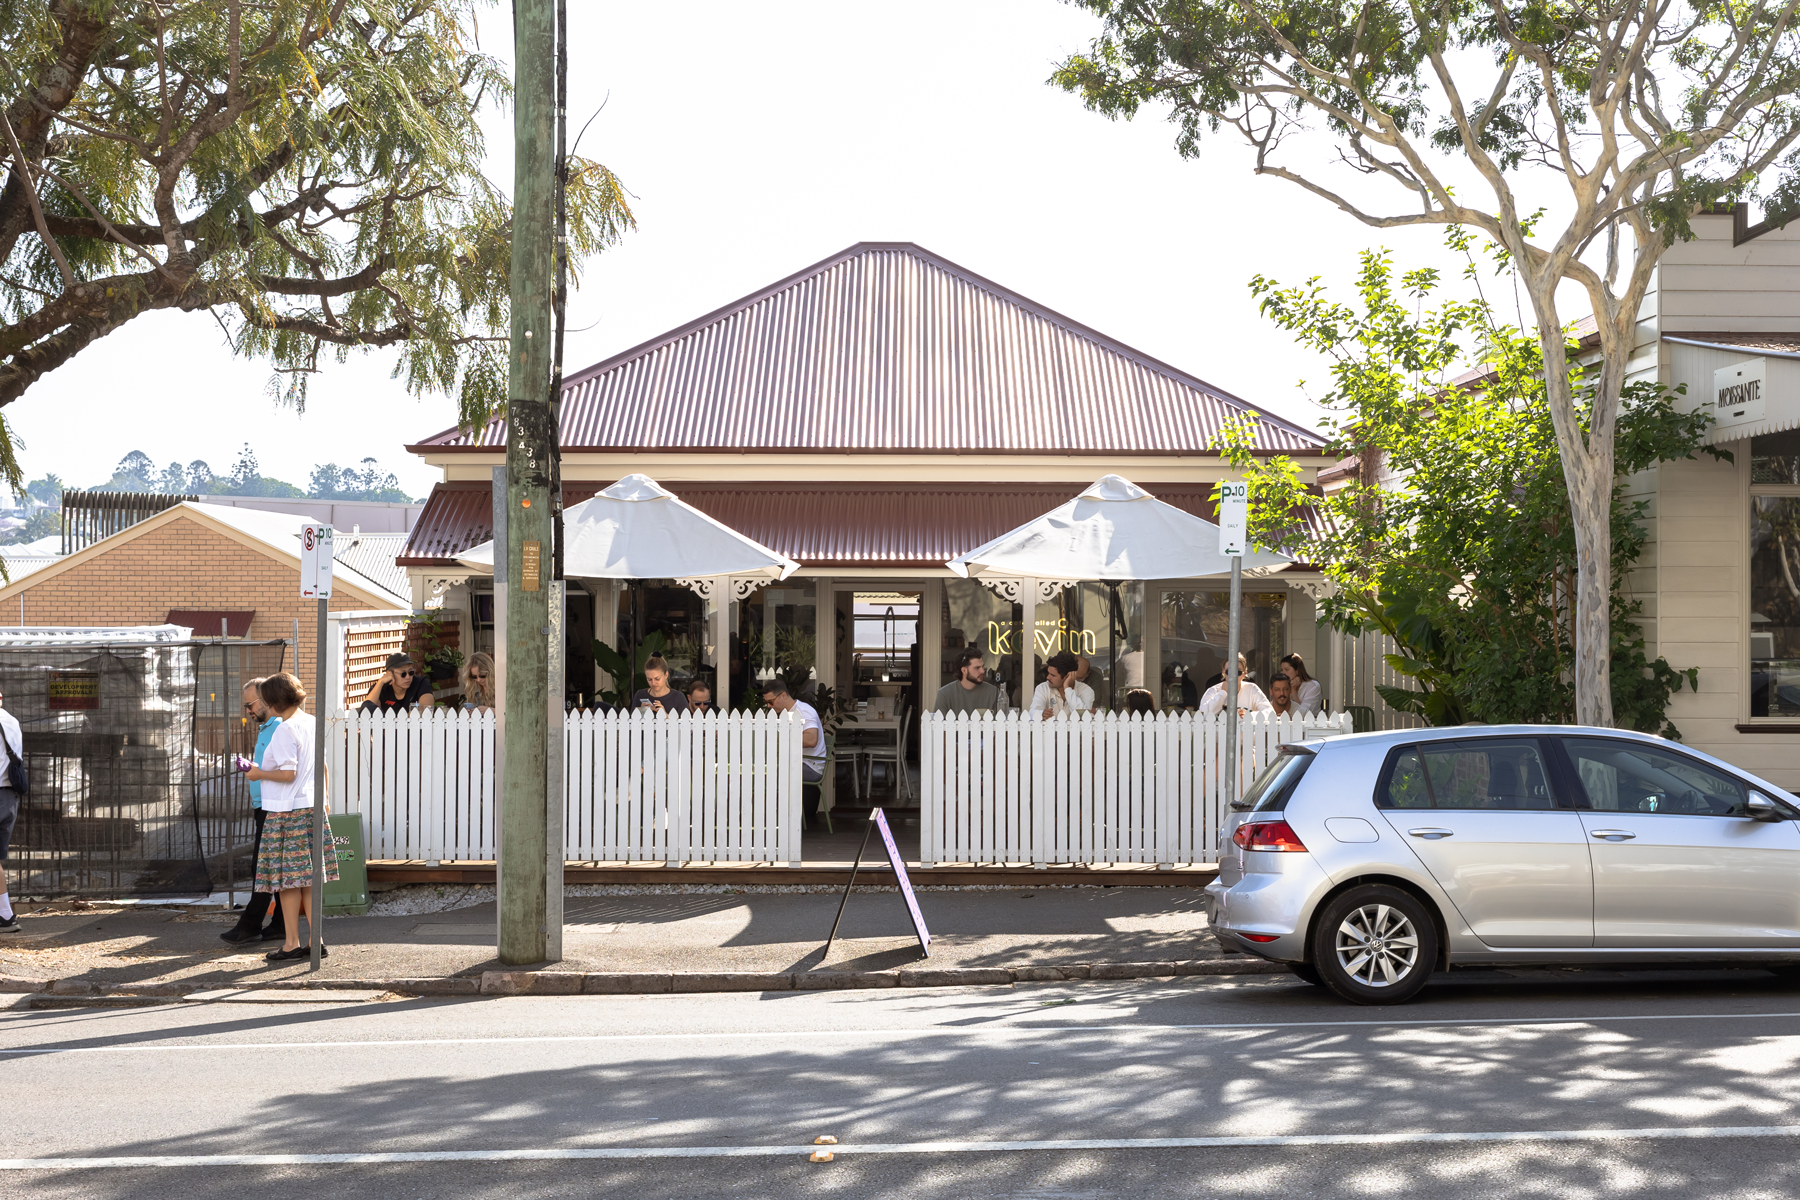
1453	533
309	173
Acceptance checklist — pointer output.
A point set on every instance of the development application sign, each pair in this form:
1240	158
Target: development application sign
1234	517
315	562
72	691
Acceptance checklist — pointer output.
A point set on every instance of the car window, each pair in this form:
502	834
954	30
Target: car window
1631	777
1406	786
1499	774
1272	788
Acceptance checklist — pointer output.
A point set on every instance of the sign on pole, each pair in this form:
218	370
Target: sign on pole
315	562
1234	517
315	584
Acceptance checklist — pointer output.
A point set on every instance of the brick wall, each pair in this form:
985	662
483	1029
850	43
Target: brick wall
181	565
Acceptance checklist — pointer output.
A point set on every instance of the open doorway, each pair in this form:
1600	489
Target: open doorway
880	669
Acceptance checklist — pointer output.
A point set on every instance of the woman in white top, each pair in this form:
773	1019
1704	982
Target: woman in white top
1250	697
1058	693
1309	697
284	862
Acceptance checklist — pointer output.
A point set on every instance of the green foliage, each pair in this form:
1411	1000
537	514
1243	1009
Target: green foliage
1454	535
45	522
614	664
310	173
370	482
834	707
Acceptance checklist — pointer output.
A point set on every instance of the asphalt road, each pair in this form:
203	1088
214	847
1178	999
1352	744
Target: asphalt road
1550	1083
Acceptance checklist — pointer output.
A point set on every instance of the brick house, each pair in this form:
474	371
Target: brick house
194	565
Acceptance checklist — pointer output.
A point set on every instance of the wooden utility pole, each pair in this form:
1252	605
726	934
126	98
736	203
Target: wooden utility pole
530	447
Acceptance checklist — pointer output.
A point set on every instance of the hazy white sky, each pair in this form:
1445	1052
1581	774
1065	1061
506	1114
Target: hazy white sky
759	139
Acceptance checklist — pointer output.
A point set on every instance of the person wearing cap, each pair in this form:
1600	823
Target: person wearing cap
400	688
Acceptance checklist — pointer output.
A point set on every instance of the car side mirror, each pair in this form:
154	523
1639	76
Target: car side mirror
1761	808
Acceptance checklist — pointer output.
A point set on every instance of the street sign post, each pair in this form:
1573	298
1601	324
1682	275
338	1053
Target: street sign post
1234	523
315	584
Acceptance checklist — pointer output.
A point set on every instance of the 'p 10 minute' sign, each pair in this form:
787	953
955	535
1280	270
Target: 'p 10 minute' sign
1739	392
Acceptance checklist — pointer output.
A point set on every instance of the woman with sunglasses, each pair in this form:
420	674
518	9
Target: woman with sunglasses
478	682
400	688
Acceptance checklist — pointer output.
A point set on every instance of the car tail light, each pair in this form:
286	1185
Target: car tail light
1268	835
1259	937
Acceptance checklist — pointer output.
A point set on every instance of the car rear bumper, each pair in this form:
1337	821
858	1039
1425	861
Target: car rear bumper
1270	905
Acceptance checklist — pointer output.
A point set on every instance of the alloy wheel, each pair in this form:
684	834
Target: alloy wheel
1377	945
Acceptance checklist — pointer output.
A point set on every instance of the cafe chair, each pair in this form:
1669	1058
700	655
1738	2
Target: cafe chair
895	754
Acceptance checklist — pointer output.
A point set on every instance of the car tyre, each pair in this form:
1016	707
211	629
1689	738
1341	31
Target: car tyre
1306	973
1375	944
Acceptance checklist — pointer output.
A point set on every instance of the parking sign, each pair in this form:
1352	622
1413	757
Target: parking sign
1234	517
315	562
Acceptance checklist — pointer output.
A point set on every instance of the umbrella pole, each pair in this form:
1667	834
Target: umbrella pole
1233	682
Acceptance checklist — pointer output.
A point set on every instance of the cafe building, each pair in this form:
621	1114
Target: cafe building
1721	583
872	417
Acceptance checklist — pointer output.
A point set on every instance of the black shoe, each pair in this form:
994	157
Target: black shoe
274	933
10	925
237	935
296	954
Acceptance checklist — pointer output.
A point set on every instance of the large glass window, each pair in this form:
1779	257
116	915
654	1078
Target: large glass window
685	621
775	632
1775	575
974	616
1632	777
1102	624
1195	628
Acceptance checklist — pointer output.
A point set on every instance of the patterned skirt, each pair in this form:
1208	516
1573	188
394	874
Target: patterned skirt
285	858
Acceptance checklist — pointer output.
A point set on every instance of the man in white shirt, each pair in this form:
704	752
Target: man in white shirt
1057	694
775	694
1250	697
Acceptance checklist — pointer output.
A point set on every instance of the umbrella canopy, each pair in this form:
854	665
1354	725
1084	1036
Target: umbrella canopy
636	530
1113	532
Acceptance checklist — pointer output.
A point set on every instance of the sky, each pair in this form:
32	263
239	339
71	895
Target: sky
757	140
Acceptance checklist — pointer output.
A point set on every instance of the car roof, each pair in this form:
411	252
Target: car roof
1384	738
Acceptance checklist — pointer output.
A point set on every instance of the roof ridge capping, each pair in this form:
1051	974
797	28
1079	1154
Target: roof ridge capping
1299	433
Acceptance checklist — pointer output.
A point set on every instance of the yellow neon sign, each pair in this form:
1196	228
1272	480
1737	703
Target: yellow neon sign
1047	638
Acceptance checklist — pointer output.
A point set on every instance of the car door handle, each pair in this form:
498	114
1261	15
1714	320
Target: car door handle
1431	832
1614	835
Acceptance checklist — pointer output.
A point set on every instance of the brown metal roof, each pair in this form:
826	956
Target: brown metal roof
888	348
818	525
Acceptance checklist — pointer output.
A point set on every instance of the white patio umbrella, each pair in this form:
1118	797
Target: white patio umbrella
1112	532
637	530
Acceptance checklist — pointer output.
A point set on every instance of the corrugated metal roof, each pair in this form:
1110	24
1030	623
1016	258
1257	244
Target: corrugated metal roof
372	555
887	347
819	525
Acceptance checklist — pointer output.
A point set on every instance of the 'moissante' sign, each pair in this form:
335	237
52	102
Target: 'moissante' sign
1739	392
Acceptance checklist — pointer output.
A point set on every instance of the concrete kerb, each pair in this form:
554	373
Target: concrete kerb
638	983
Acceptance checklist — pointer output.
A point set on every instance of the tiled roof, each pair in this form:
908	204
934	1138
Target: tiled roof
826	524
888	348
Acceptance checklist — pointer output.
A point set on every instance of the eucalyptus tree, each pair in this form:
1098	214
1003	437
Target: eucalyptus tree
1649	111
309	173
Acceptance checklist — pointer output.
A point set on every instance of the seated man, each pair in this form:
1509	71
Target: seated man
399	689
1281	696
969	692
775	694
1058	693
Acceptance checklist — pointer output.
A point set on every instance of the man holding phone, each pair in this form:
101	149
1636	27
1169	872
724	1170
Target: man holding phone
400	688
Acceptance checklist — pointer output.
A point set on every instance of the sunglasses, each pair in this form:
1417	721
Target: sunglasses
403	674
477	674
248	707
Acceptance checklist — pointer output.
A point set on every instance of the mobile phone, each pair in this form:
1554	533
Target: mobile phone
644	702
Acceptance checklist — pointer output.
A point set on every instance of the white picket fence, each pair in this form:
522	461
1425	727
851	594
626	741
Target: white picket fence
637	786
1088	787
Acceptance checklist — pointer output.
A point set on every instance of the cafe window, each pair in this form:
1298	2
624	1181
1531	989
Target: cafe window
1195	629
775	632
1775	576
974	616
1103	623
663	606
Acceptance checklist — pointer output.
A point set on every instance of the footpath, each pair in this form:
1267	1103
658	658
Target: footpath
425	941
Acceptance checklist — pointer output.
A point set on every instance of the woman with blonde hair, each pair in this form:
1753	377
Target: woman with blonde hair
284	861
478	682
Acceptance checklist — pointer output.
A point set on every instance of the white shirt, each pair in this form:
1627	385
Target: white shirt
809	717
1249	696
1085	692
1309	697
15	741
291	749
1048	698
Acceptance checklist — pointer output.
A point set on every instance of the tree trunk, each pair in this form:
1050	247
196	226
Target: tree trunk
1587	463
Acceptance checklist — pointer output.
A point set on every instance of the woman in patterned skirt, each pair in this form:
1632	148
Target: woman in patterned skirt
284	863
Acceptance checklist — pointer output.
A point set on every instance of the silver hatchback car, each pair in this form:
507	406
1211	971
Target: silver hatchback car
1367	862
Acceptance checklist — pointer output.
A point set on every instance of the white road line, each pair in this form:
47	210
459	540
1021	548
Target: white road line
1672	1133
928	1032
